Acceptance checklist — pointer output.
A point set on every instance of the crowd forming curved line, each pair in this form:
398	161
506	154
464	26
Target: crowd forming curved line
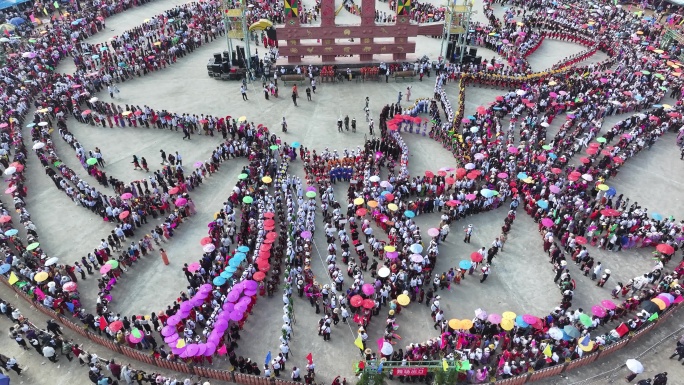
590	92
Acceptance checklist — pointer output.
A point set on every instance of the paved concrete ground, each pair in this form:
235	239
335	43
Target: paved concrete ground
521	279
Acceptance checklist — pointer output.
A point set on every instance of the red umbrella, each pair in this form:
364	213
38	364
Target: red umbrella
665	248
174	190
472	175
124	214
389	197
476	257
272	235
356	301
580	240
368	304
585	160
269	222
556	170
429	174
361	212
259	276
116	326
449	180
265	267
460	172
206	241
592	150
618	160
269	215
610	212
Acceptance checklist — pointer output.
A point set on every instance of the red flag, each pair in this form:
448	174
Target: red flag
103	323
309	358
6	32
222	350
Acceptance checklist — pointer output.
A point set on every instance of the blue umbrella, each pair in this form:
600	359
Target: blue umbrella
611	192
219	281
243	249
543	204
226	274
497	108
296	145
5	268
522	175
102	49
520	322
30	125
571	331
17	21
231	269
465	265
235	262
657	216
95	57
240	256
470	117
384	193
552	155
11	232
416	248
409	214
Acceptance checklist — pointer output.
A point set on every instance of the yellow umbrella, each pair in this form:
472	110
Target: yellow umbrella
390	248
640	32
667	106
126	113
603	187
40	277
661	304
587	348
157	43
242	119
392	207
520	23
552	83
403	299
43	110
676	74
508	315
466	324
267	179
507	324
528	180
372	204
358	201
658	51
454	324
146	21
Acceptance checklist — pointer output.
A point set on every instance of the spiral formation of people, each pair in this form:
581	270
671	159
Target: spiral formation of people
510	217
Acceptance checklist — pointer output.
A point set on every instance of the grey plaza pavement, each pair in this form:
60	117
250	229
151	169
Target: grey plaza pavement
522	279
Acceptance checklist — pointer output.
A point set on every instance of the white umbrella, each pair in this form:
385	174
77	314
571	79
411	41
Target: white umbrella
51	261
555	333
93	99
544	124
470	166
208	248
384	272
386	349
43	124
374	178
635	366
481	314
10	170
474	129
38	145
520	92
587	177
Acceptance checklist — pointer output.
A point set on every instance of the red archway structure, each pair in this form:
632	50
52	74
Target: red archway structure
290	35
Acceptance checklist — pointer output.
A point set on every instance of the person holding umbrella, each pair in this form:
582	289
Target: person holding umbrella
635	367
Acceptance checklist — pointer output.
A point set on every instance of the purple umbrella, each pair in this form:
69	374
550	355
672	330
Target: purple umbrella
168	330
233	296
185	306
178	351
306	234
210	349
173	320
207	288
171	339
250	292
221	325
250	285
239	308
368	289
228	307
191	350
201	348
237	316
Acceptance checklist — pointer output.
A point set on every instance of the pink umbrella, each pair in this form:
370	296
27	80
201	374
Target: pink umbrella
126	196
530	319
494	318
70	286
105	268
306	234
598	311
134	339
417	258
433	232
198	164
608	304
181	202
554	189
236	316
513	150
368	289
470	197
547	222
193	267
173	320
392	254
502	175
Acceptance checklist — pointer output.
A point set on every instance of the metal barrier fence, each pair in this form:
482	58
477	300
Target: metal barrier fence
248	379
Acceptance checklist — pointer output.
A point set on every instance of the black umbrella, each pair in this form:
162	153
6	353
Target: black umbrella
650	307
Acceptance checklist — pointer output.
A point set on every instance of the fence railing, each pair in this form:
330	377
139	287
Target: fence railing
248	379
